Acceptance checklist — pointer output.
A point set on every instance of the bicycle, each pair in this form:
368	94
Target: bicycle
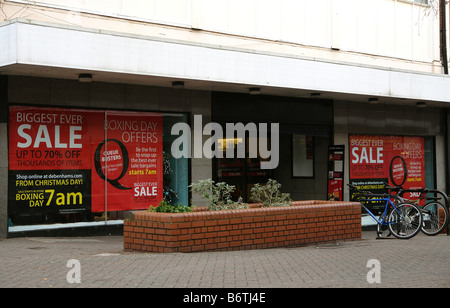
403	219
435	213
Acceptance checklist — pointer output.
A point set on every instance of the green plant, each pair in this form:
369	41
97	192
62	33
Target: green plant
270	195
166	207
218	195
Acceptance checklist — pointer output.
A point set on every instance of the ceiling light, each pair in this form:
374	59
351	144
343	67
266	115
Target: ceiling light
85	77
254	91
178	85
421	104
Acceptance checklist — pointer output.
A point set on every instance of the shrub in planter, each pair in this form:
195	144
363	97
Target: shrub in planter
166	207
270	195
218	195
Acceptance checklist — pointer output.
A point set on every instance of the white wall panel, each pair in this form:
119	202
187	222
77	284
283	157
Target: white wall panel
391	28
111	52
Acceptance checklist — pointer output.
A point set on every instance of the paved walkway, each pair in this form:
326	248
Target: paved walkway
42	262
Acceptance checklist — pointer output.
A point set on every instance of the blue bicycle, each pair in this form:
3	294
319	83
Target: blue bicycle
402	219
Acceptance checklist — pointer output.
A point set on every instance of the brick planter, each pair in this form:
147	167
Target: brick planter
302	223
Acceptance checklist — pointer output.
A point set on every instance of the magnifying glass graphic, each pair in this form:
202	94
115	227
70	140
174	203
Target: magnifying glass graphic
398	171
117	155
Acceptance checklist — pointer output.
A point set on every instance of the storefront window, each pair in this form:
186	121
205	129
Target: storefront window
429	163
302	156
75	165
176	170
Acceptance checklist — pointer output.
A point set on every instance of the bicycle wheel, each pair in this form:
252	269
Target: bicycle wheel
435	218
405	220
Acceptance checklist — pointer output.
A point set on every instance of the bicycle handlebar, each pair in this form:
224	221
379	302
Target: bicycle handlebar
400	190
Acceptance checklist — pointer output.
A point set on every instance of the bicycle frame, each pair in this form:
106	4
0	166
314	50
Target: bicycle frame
388	202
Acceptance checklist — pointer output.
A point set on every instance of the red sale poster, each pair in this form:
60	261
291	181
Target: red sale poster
397	160
65	160
51	138
129	162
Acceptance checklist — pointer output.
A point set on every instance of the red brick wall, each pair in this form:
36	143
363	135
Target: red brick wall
300	224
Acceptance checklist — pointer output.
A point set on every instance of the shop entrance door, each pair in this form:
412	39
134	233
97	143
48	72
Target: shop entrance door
243	173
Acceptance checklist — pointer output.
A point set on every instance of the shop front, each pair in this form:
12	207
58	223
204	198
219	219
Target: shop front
75	165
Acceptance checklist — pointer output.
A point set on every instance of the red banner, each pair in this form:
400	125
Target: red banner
73	159
52	138
130	160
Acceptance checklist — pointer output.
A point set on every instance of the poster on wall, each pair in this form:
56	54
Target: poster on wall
335	172
64	160
397	160
130	159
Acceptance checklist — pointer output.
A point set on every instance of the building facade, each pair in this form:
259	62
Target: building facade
95	99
